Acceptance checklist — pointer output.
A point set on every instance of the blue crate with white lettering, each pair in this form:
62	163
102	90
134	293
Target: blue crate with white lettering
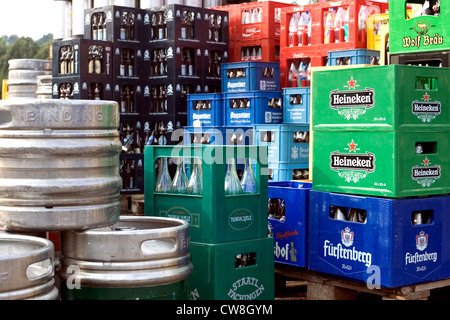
250	76
285	171
296	105
285	142
379	241
218	135
352	57
253	107
206	108
288	221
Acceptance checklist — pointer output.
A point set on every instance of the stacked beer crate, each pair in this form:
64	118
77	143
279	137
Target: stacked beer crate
379	201
324	34
107	63
255	29
148	61
420	38
231	254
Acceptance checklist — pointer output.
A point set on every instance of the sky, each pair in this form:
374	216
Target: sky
27	18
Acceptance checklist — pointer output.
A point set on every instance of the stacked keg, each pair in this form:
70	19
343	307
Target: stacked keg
59	172
23	76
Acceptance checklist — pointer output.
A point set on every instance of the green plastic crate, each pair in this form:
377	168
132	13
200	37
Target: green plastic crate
381	163
218	273
419	34
213	216
393	97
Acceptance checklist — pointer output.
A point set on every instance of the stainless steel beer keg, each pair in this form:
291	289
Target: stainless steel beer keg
143	258
59	164
26	268
44	87
22	76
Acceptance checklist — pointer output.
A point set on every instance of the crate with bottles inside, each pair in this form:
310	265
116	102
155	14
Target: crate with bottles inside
250	76
326	26
185	23
81	57
285	142
219	135
87	87
285	171
205	189
389	242
114	23
267	50
288	210
353	56
169	98
391	97
239	270
129	62
296	105
259	20
418	26
394	164
253	107
424	59
205	109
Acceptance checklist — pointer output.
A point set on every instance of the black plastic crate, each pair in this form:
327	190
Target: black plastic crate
169	98
75	57
129	61
121	23
429	58
174	60
128	93
88	87
173	22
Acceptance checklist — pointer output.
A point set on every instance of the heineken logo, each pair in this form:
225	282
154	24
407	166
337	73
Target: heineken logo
426	110
352	166
426	175
352	103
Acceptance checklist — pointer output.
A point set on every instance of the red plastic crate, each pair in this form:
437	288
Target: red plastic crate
267	50
318	12
319	59
268	27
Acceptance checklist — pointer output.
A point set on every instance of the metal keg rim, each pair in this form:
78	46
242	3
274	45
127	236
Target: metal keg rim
31	113
33	64
46	245
180	224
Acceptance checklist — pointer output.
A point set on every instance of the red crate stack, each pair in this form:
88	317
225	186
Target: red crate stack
333	26
255	25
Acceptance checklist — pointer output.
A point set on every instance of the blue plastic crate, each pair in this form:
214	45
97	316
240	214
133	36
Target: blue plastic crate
253	107
296	105
285	142
210	112
218	135
352	57
387	248
250	76
286	171
291	235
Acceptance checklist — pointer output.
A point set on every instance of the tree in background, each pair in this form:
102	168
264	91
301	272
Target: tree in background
14	47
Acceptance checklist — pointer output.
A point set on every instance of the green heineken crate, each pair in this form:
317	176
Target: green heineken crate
381	163
392	97
214	217
242	270
411	33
